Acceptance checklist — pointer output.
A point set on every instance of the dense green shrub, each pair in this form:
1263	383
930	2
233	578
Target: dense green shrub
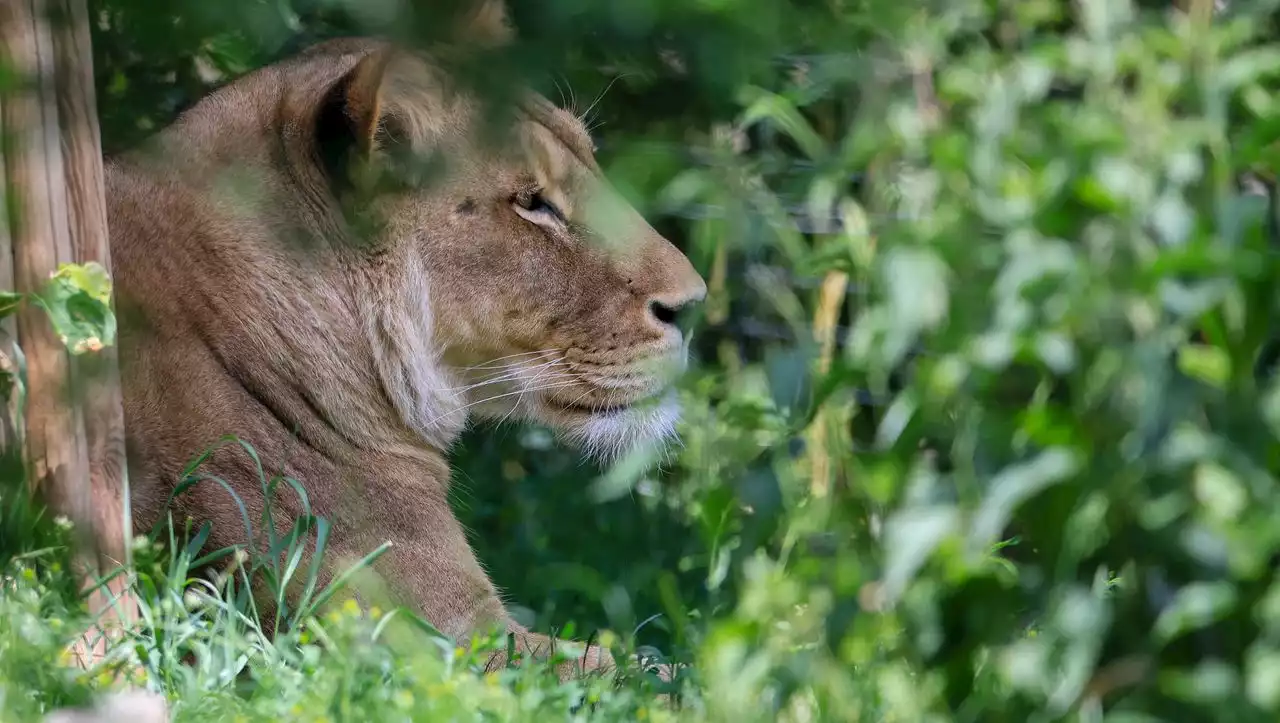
982	427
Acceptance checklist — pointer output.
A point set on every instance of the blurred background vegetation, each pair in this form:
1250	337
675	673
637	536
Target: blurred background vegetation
982	424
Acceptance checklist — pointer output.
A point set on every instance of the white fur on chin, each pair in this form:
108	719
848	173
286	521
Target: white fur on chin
604	436
609	436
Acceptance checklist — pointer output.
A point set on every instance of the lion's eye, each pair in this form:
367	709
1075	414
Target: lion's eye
535	207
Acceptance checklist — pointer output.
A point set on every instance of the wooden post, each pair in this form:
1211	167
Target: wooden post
52	166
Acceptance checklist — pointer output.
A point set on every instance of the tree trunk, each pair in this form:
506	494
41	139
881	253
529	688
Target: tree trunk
53	175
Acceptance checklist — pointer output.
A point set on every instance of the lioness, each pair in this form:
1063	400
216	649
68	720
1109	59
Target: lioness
285	274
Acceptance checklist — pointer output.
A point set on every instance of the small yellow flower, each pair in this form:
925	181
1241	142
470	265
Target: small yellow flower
642	713
375	612
404	699
351	608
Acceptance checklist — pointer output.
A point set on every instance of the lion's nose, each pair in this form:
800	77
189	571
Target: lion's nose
668	310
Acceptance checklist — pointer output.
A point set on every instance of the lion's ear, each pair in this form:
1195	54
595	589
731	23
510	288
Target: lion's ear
348	119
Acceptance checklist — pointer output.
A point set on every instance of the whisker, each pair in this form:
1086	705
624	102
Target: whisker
579	398
510	369
563	101
498	362
519	399
557	385
558	376
512	410
573	97
585	116
513	356
502	376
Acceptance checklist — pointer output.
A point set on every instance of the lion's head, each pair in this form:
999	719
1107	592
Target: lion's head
508	278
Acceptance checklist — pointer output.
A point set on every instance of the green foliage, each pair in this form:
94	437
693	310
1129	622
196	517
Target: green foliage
77	299
201	641
983	424
36	625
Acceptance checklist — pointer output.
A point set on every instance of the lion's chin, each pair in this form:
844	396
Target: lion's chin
609	434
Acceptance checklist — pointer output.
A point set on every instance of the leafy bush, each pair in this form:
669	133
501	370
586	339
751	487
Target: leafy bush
983	425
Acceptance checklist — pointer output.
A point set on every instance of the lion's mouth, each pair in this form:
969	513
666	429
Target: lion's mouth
593	408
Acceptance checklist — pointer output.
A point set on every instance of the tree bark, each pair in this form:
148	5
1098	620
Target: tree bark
53	175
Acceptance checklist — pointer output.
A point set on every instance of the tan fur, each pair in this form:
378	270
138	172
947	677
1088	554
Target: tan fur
338	327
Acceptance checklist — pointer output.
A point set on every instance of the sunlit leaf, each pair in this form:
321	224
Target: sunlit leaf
77	302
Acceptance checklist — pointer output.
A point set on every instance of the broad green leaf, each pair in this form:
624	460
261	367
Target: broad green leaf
77	299
1195	606
1209	364
763	105
1248	66
1262	675
1015	485
910	539
1220	492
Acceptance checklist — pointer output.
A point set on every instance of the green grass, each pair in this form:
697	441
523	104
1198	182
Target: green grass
347	664
202	642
